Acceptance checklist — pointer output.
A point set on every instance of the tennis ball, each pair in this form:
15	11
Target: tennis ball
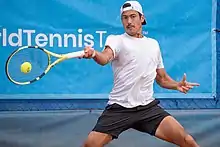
26	67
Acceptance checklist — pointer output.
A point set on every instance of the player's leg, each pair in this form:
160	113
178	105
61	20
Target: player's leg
97	139
157	122
114	120
172	131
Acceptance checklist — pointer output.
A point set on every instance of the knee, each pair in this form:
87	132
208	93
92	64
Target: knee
188	141
97	139
90	142
188	138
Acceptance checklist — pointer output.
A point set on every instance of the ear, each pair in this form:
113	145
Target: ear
142	18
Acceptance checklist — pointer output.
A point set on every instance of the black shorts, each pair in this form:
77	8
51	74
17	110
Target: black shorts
115	119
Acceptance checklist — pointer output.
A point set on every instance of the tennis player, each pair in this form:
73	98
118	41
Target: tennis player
136	61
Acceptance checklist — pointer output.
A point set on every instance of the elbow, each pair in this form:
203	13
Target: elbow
103	63
160	83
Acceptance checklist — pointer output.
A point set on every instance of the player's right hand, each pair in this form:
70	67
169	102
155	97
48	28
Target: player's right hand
89	52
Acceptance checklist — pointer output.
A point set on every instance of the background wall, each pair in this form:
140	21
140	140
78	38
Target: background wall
183	29
218	47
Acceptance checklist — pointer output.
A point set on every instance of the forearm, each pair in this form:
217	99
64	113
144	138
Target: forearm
101	58
168	83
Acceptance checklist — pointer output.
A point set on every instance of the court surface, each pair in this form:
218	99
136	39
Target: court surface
69	129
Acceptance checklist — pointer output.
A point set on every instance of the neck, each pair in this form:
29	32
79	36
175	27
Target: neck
138	34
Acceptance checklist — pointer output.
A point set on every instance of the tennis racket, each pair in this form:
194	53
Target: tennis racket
38	62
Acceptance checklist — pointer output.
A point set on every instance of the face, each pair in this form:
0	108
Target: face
132	22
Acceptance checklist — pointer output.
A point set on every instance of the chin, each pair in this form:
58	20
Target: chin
131	33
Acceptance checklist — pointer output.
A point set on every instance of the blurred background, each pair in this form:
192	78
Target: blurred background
61	108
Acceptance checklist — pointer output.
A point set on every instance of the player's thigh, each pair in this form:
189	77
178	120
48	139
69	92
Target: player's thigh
150	119
97	139
171	130
114	120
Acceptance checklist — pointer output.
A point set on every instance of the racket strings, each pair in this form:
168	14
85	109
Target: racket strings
36	57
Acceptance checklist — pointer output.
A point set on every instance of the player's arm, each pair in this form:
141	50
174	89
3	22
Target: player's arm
164	80
101	58
104	57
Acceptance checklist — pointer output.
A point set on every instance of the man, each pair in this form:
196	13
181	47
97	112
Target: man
136	61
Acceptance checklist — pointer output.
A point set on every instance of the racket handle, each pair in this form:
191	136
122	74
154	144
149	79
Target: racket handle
75	54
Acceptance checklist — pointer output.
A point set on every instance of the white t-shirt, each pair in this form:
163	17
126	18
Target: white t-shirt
134	68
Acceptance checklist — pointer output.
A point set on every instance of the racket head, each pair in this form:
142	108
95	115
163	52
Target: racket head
38	58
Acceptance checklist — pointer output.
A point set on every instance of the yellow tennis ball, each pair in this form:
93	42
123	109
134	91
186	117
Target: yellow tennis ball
26	67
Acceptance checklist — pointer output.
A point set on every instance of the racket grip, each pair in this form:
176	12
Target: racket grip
75	54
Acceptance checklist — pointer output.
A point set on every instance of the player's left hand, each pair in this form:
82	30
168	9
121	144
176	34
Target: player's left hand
184	86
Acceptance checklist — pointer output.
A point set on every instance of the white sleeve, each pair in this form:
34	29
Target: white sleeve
113	42
160	59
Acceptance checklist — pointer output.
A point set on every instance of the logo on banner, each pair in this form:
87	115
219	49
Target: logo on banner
31	37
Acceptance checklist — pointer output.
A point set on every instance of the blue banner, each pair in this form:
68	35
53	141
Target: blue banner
182	28
218	49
